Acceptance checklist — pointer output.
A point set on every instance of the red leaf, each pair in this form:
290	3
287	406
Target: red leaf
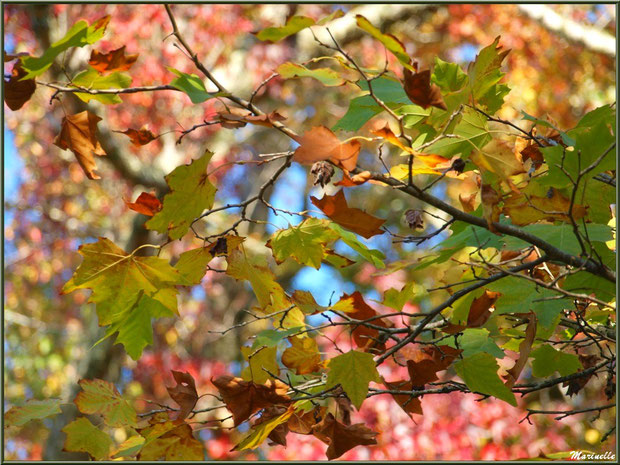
335	207
420	91
184	393
146	203
116	60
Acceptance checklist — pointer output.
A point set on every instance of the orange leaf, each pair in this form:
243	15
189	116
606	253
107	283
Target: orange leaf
116	60
468	202
243	398
342	438
408	403
16	92
355	180
335	207
78	134
303	356
320	143
184	393
554	206
139	137
420	91
479	311
490	209
146	203
238	117
365	337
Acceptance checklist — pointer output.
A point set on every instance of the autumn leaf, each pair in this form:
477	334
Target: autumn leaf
243	398
78	134
498	157
353	370
184	393
490	205
355	180
577	384
116	60
325	76
527	209
139	136
390	42
32	410
272	425
409	404
335	208
420	91
425	364
320	143
365	337
16	91
238	117
146	203
83	436
303	356
342	438
524	351
301	422
175	445
191	192
260	362
479	312
101	397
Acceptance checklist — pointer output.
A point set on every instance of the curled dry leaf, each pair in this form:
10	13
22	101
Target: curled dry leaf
320	143
302	422
420	91
322	172
342	438
425	364
408	403
524	351
79	134
116	60
355	180
243	398
335	207
139	137
184	393
414	218
17	92
146	203
490	205
238	117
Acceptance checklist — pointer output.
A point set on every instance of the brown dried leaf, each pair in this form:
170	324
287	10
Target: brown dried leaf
408	403
365	337
420	91
335	207
490	205
146	203
577	384
479	312
243	398
524	351
116	60
184	393
139	137
78	134
16	92
342	438
415	219
428	361
302	423
320	143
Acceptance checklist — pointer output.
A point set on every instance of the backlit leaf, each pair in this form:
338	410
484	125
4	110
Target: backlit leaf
390	42
82	436
260	361
479	372
191	84
261	431
353	371
420	90
32	410
146	203
101	397
115	60
184	393
303	356
342	438
320	143
17	91
326	76
91	79
548	360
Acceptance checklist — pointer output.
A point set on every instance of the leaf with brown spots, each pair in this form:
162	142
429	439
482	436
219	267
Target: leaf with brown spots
420	91
303	356
320	143
16	91
184	393
342	438
243	398
335	208
116	60
146	203
79	134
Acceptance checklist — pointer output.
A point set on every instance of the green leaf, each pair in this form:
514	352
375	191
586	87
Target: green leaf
192	265
130	447
79	35
127	289
191	193
472	133
32	410
484	76
412	114
390	42
304	243
192	85
91	79
476	340
479	372
450	77
272	337
82	436
460	308
397	299
101	397
375	257
263	357
325	76
261	431
292	26
353	371
547	360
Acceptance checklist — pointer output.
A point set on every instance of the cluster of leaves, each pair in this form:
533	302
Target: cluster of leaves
533	236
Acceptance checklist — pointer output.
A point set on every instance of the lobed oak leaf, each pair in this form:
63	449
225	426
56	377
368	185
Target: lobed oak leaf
342	438
420	91
184	393
243	398
78	134
17	91
335	207
409	404
146	203
320	143
139	136
116	60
